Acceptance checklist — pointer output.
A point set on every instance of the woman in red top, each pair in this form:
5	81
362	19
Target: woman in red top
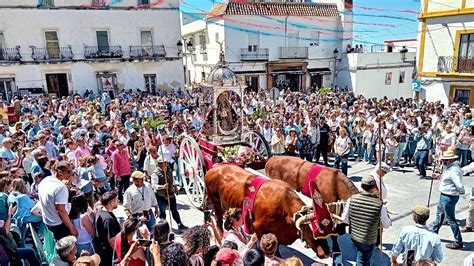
127	248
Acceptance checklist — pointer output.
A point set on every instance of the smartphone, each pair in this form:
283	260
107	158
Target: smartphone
171	237
207	216
337	259
146	214
144	242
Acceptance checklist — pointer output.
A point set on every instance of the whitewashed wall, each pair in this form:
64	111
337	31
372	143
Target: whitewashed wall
77	28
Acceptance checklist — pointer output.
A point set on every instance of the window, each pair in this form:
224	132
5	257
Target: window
388	78
204	57
150	83
401	78
217	37
466	46
102	39
203	76
253	41
143	2
463	96
465	54
45	2
203	43
52	43
314	38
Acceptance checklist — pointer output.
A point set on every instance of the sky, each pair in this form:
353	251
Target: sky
404	29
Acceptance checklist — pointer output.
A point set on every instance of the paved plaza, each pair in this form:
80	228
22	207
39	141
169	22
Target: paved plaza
405	189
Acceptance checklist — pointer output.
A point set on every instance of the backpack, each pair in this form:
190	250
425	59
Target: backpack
3	206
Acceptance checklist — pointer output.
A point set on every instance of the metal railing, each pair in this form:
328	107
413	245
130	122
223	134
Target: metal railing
101	52
260	54
150	52
52	54
46	3
10	54
455	64
293	52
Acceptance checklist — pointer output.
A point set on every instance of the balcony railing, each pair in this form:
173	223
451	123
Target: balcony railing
98	3
102	52
10	54
258	55
45	3
147	52
456	64
293	52
52	54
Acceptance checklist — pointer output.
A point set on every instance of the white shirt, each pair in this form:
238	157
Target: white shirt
168	152
52	191
377	180
137	200
149	165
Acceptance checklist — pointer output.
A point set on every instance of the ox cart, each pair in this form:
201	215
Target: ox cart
222	139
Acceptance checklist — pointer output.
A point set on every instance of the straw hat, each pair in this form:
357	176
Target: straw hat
449	155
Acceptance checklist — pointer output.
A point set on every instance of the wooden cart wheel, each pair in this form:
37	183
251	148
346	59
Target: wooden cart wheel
258	144
192	169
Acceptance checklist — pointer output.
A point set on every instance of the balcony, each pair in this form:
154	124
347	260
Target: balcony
451	64
293	52
45	3
52	54
147	52
260	54
10	55
103	52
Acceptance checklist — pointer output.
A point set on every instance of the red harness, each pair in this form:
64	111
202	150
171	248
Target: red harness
248	204
322	225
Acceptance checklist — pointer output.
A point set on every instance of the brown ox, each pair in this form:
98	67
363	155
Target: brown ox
332	184
274	205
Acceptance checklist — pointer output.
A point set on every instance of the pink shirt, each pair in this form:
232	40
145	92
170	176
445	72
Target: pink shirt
121	163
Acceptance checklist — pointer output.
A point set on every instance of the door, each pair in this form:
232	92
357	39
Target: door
6	89
316	80
147	42
102	40
52	44
58	84
150	83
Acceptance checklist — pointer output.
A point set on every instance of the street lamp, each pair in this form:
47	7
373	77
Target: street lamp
403	53
336	53
180	46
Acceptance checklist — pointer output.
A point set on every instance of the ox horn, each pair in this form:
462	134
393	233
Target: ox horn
298	222
336	217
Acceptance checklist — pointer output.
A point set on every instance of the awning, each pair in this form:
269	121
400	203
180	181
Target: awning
295	72
319	71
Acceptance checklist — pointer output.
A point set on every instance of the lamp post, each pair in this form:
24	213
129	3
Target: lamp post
182	51
336	53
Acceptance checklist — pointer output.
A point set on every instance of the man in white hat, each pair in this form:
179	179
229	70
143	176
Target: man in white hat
380	172
451	187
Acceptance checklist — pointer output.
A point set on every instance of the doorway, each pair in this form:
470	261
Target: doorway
6	89
57	83
316	80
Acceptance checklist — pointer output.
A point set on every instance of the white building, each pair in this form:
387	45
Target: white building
378	74
446	51
269	44
67	46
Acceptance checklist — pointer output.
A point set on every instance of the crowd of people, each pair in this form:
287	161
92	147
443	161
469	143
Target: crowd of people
69	162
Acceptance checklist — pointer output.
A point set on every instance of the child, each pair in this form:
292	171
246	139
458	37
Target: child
366	138
390	149
379	146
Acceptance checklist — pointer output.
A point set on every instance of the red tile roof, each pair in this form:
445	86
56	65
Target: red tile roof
275	9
